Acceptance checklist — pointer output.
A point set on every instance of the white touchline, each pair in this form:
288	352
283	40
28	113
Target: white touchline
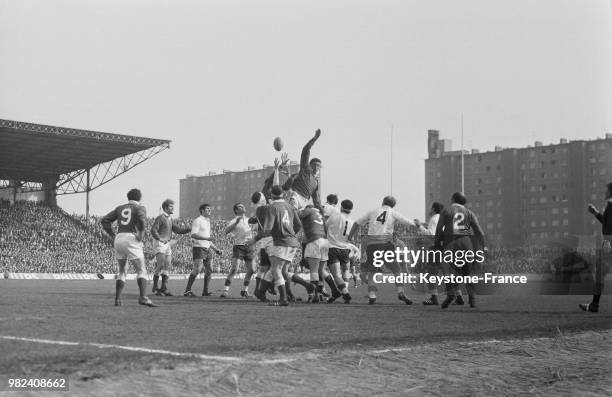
145	350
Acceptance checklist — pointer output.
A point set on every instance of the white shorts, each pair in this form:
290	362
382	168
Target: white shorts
163	248
284	253
128	247
264	243
317	249
298	201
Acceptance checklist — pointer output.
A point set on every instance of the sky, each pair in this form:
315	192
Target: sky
222	79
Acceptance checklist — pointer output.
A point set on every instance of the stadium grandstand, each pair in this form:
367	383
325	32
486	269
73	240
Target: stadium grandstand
38	163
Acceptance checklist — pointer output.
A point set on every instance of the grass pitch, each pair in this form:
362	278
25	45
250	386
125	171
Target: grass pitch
512	343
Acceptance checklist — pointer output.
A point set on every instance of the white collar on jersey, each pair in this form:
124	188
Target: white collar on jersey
280	200
134	202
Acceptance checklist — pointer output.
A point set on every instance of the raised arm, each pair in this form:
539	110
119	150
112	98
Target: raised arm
305	158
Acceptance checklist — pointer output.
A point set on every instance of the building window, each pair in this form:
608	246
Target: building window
555	223
565	222
543	200
533	223
565	210
555	211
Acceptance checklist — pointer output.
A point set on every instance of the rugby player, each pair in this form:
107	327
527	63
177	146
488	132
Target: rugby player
240	229
303	187
202	246
456	229
605	252
315	253
381	223
282	223
131	219
430	230
161	231
339	226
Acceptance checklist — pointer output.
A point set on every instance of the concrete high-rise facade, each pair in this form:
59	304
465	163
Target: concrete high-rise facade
224	190
529	195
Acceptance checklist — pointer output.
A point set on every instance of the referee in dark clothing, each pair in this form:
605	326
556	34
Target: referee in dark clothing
604	261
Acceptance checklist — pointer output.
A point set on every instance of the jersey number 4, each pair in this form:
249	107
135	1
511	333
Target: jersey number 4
285	219
382	217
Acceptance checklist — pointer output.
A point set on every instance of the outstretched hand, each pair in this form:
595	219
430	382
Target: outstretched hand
592	209
317	134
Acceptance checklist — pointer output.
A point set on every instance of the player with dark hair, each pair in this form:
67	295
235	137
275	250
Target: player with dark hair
131	219
240	229
339	226
282	223
161	231
331	205
604	261
432	267
304	186
458	230
381	224
202	245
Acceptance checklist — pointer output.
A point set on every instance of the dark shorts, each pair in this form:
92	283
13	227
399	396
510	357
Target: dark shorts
264	259
463	243
243	252
339	255
201	253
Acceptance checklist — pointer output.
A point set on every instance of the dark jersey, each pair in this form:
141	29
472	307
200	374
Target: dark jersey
312	222
260	219
282	223
130	217
457	221
305	182
606	219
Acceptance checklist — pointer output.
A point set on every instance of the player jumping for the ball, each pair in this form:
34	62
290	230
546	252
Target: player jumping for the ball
304	186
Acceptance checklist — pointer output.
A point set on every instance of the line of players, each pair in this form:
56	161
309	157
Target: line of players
281	213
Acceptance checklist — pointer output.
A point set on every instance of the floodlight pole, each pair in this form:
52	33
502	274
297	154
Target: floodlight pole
88	189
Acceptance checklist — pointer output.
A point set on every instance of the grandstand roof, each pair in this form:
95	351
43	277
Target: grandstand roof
33	152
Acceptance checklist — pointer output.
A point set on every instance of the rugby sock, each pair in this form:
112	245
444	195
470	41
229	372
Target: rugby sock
257	285
332	285
164	278
282	293
288	290
228	282
247	280
142	284
206	283
299	280
155	280
343	289
190	282
595	300
119	288
264	285
400	290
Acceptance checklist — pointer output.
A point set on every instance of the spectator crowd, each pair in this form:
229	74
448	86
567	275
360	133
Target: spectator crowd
35	238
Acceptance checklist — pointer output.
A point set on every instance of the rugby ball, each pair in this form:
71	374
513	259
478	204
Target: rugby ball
278	144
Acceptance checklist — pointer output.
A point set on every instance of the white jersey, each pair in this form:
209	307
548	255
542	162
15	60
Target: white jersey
329	209
338	228
431	225
382	221
242	232
201	225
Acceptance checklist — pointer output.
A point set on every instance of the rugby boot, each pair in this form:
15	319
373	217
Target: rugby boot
589	307
447	301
